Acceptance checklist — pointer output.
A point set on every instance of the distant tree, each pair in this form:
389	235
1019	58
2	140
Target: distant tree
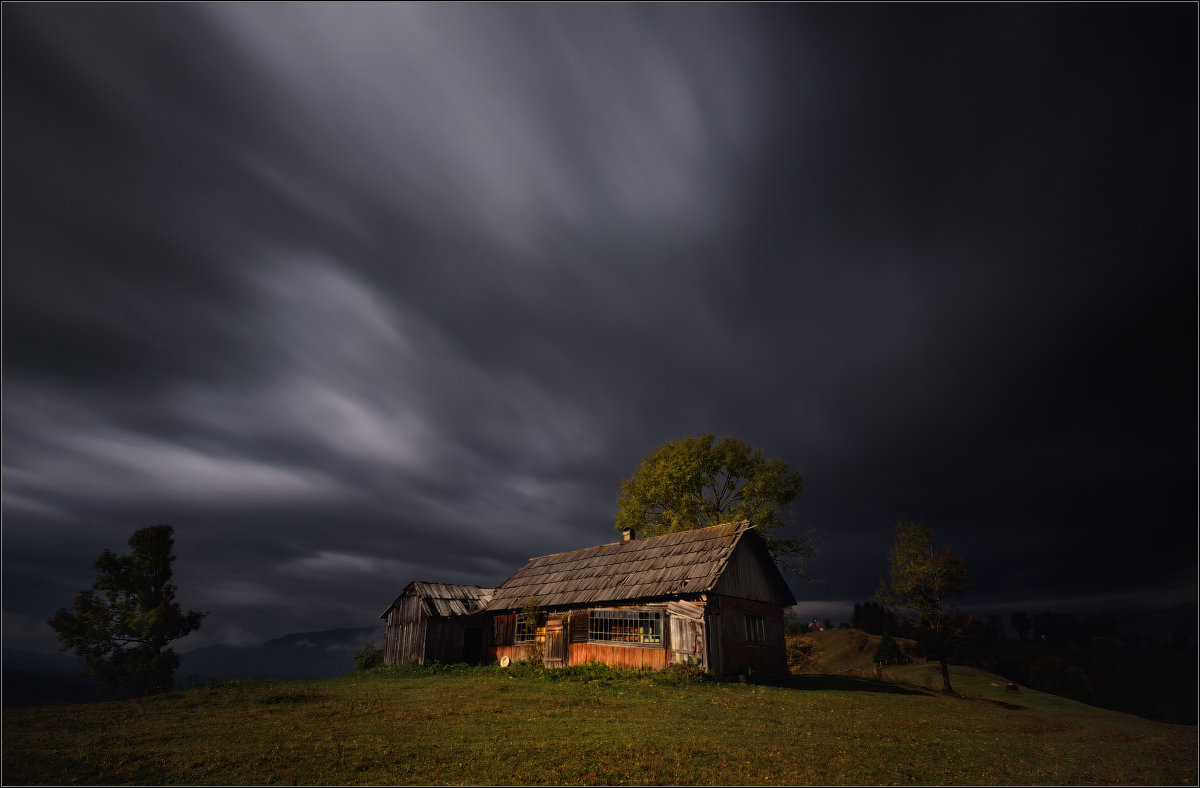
1022	625
925	586
694	482
123	625
795	628
874	618
828	623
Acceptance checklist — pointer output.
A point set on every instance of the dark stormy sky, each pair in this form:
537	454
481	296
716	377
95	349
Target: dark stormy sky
353	295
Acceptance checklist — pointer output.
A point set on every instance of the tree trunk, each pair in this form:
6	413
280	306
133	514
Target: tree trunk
946	675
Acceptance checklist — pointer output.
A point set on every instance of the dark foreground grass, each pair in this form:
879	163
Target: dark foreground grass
488	726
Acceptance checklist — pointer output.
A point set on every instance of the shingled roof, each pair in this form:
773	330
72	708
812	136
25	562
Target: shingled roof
445	599
688	562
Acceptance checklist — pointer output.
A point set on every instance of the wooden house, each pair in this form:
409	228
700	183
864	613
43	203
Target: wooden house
436	622
712	595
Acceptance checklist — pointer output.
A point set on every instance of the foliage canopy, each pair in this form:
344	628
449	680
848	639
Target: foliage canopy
695	482
925	585
122	625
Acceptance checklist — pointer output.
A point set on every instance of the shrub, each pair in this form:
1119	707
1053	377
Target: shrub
888	652
802	653
861	641
370	656
531	666
680	673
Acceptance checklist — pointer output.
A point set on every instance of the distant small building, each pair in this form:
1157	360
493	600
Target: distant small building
436	622
712	595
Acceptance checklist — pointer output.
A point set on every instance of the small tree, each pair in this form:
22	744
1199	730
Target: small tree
369	656
873	619
534	618
888	652
122	626
925	586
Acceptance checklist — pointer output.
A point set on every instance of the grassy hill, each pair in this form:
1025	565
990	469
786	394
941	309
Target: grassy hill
1160	686
590	726
839	651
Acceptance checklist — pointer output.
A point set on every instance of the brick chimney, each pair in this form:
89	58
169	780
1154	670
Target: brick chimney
627	535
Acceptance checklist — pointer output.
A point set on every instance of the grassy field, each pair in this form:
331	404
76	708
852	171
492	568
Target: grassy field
490	726
1159	686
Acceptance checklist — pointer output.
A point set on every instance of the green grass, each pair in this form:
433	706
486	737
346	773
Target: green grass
591	726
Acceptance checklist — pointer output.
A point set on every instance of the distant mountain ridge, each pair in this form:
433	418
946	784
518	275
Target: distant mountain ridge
302	655
34	678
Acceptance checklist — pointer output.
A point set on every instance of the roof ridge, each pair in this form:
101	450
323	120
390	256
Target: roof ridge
743	524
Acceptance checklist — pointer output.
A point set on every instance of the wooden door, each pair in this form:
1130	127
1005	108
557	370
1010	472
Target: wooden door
556	643
687	640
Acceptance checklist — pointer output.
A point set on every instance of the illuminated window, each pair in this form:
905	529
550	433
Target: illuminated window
754	629
529	632
643	627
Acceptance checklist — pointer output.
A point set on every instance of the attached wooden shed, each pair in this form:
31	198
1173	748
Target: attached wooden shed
436	622
713	595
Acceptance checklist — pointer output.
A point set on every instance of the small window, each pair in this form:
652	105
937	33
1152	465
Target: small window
529	632
642	627
755	629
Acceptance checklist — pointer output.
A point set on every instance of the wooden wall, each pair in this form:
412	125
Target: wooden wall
731	654
405	638
445	639
749	574
714	635
493	653
499	643
412	636
634	657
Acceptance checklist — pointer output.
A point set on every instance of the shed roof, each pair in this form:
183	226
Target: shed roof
687	562
446	599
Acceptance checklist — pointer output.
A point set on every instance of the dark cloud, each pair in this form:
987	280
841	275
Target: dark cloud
358	295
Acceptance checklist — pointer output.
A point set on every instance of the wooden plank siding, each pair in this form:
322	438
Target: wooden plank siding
504	629
445	639
493	653
405	639
751	574
734	653
435	621
632	657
